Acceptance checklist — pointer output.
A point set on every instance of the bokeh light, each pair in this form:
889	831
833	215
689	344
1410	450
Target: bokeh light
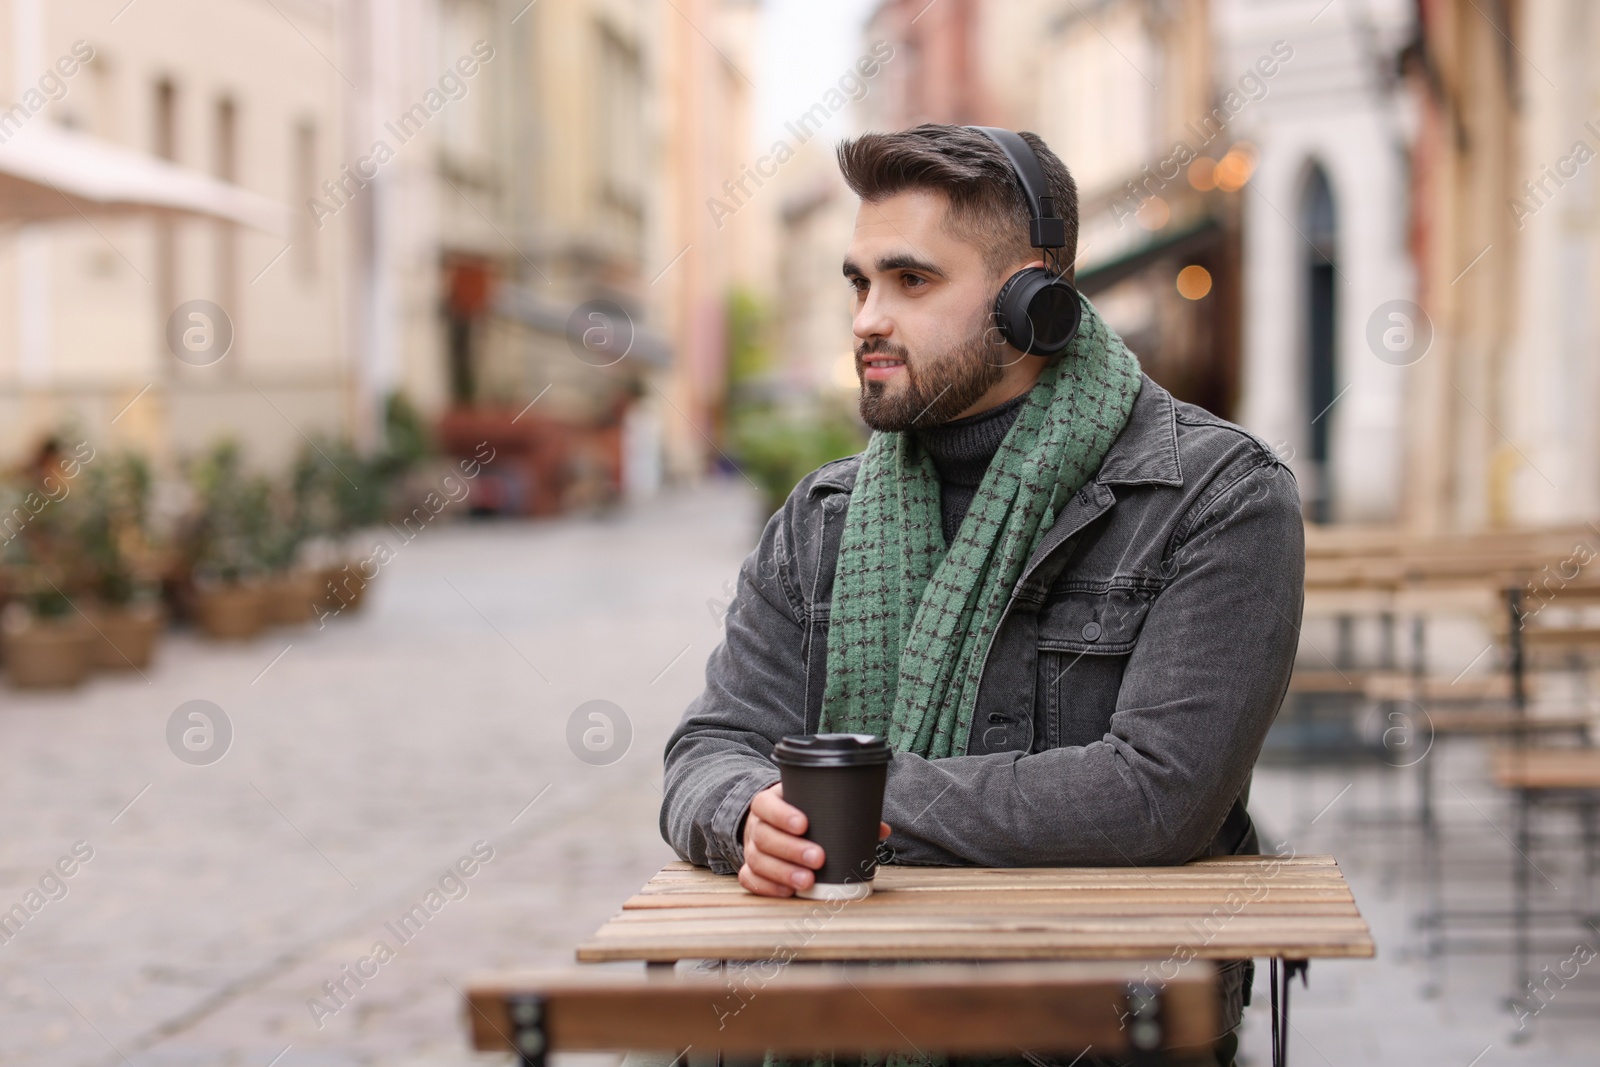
1194	282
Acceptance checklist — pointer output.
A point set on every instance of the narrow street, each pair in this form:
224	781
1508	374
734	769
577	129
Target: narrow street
367	758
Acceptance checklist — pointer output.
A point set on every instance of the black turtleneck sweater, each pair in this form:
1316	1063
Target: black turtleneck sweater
961	451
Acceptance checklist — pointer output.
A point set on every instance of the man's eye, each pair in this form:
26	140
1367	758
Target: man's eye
913	281
858	285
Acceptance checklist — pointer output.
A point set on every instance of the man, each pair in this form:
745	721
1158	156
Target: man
1069	601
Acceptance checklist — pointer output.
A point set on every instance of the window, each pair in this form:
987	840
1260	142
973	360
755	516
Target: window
618	133
164	144
303	182
226	168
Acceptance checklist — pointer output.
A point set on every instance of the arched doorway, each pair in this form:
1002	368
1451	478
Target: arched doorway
1319	224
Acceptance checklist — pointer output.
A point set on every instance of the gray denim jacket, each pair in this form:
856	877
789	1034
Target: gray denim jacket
1141	658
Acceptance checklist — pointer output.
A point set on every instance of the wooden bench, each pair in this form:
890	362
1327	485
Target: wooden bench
1436	690
1505	723
1537	775
1316	680
1064	1008
1546	768
1504	578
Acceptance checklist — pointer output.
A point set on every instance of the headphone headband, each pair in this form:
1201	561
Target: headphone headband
1037	311
1046	229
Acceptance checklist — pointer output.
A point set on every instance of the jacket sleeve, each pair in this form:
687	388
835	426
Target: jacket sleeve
1201	687
719	757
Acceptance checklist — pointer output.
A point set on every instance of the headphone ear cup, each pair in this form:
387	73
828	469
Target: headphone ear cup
1038	313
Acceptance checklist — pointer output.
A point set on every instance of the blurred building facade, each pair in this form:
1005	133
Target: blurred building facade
568	281
812	223
1326	249
1500	411
88	301
546	273
1365	231
494	204
814	333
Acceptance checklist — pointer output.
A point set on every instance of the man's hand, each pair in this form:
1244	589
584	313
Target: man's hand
777	860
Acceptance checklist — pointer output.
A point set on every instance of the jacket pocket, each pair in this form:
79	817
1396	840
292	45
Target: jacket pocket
1098	621
1079	692
1085	638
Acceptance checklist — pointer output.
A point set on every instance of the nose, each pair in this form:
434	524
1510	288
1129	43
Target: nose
870	320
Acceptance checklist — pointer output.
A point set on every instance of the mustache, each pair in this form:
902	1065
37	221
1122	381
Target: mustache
883	345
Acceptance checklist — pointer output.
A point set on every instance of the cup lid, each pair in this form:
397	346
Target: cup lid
831	750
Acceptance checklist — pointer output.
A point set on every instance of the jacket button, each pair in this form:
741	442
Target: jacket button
1091	631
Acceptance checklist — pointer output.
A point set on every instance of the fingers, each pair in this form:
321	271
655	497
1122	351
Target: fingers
772	808
779	845
883	830
762	886
780	857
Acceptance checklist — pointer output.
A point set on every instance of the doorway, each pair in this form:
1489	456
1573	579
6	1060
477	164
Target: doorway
1319	268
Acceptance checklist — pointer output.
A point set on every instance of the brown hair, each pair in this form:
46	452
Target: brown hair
987	205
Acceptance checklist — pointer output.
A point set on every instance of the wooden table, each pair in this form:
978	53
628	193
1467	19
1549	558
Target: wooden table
1130	943
1225	908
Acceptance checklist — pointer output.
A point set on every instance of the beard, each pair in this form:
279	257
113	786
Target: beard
930	390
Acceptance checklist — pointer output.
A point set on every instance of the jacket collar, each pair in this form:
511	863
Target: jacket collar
1144	453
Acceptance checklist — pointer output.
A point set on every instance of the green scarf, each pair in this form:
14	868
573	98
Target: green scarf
911	621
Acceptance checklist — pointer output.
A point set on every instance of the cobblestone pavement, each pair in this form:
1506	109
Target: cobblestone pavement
370	756
367	758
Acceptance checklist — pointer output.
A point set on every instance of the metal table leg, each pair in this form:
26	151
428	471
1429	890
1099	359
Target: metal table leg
1521	797
1419	693
1427	823
1520	887
1280	979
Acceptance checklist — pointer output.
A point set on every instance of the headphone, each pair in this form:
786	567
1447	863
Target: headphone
1037	310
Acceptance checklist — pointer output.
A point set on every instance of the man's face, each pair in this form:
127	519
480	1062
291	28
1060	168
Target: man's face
925	349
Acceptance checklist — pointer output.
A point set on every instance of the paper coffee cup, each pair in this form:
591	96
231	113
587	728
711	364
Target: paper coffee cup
837	780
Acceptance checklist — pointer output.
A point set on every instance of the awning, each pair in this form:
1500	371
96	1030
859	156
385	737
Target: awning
640	343
1191	240
47	172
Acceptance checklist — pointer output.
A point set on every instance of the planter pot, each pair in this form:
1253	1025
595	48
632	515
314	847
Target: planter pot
293	598
48	654
127	636
343	588
230	612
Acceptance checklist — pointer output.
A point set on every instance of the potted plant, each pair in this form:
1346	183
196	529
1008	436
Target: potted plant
224	546
777	445
293	592
46	640
121	562
344	493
